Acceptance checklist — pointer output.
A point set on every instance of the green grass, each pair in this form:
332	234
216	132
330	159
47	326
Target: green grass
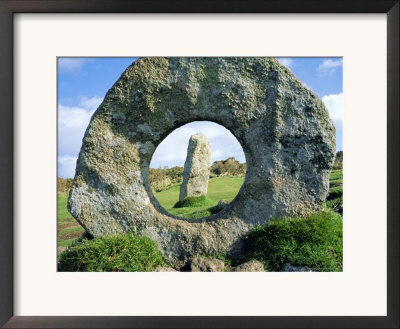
334	199
219	188
192	213
193	201
336	205
336	174
314	241
62	211
335	183
118	253
69	229
66	242
335	192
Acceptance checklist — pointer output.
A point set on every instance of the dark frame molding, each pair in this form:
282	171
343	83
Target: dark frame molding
7	10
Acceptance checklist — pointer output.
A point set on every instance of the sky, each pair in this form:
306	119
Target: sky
83	83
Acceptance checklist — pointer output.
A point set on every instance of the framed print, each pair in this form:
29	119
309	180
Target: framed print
75	79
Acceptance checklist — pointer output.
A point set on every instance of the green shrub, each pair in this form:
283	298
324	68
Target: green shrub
228	167
339	158
192	201
314	241
118	253
163	178
161	184
64	184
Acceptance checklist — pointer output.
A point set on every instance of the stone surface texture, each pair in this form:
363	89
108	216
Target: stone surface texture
164	269
196	171
250	266
291	268
203	264
284	129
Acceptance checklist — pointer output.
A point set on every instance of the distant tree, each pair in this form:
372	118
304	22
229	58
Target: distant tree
228	167
64	184
162	178
338	160
339	157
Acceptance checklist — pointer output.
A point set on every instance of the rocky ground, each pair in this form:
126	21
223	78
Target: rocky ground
205	264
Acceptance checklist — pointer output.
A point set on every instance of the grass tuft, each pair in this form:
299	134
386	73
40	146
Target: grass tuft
314	241
118	253
193	201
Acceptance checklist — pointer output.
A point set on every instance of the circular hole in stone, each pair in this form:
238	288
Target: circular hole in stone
197	170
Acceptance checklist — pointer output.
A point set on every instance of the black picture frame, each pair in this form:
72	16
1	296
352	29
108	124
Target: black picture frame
10	7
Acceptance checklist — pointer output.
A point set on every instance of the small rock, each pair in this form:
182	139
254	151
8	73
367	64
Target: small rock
251	266
202	264
164	269
222	204
290	268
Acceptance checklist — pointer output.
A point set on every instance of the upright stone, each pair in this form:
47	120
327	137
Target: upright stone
197	167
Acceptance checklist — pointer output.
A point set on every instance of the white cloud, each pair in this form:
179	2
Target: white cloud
66	166
288	62
334	104
329	66
70	64
172	150
90	103
72	123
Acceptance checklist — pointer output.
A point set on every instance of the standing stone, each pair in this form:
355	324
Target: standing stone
197	167
284	128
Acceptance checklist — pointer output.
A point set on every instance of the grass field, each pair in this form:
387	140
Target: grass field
218	188
68	229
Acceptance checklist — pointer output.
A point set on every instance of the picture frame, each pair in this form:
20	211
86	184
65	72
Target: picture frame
7	10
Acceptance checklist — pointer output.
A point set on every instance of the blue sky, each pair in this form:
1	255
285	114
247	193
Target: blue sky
83	83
